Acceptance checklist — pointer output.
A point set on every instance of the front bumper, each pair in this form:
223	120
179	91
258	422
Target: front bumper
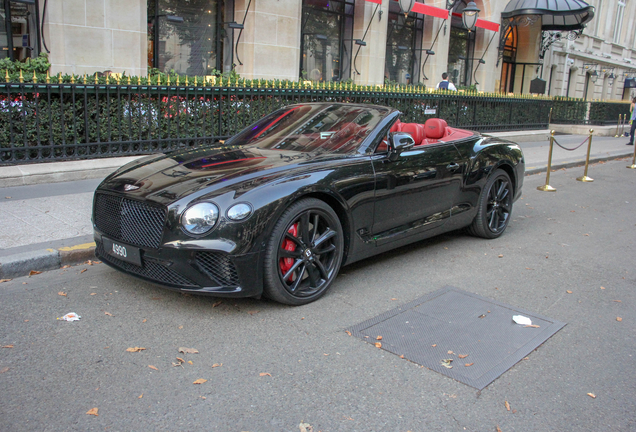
196	271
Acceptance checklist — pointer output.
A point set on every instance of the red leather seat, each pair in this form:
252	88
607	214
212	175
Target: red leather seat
416	130
435	128
397	126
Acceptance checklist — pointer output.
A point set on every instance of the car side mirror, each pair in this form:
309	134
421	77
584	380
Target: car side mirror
398	143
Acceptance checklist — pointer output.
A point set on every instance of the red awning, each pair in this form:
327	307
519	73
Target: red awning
482	23
430	10
375	1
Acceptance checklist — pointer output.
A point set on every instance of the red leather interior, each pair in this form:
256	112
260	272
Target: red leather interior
435	128
416	130
397	126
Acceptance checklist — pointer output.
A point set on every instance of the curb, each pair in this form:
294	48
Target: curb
21	264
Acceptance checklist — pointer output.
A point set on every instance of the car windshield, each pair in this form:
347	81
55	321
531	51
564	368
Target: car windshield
321	128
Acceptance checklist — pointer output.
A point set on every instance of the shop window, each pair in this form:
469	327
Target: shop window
326	40
461	49
190	37
19	29
403	46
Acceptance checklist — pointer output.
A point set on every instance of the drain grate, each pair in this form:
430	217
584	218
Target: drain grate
426	329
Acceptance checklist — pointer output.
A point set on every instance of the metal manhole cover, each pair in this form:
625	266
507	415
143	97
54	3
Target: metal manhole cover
426	329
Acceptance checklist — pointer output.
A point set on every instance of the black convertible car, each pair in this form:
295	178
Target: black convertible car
280	206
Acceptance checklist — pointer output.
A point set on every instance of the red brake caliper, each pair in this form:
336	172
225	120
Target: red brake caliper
288	245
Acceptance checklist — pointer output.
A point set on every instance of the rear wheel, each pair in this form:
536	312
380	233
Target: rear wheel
304	253
495	207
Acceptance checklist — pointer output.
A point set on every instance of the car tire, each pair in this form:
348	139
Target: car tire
303	254
495	207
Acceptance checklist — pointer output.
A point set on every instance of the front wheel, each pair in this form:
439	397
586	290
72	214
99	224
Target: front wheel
495	207
304	253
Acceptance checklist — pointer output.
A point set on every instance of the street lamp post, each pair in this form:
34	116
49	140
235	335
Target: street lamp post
470	15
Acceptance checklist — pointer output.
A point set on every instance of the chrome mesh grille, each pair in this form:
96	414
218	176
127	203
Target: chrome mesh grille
129	221
219	267
149	269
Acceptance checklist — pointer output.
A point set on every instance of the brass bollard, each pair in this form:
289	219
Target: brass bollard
585	178
547	187
618	125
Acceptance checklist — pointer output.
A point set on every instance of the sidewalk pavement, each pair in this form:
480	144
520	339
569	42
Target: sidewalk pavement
47	225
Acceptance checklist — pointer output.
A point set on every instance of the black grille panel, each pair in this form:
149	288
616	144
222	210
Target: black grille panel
129	221
219	267
150	269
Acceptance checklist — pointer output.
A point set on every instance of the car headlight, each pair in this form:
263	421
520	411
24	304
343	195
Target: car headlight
239	211
200	218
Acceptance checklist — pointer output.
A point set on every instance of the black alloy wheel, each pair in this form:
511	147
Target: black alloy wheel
304	253
495	207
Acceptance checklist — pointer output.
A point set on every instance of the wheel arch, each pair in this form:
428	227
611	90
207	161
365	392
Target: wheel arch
511	173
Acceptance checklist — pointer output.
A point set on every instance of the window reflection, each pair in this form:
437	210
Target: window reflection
19	30
461	50
327	29
403	46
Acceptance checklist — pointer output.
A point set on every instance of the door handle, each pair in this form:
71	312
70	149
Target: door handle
452	166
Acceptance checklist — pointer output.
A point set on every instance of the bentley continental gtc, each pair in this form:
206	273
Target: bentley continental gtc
279	207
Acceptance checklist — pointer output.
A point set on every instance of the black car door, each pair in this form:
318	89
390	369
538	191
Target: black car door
414	193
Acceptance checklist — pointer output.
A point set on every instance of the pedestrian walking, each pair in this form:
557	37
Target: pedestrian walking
444	84
632	121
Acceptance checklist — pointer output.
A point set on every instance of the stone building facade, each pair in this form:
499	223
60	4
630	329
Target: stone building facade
367	41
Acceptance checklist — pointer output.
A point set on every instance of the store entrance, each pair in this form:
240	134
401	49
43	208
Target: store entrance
19	30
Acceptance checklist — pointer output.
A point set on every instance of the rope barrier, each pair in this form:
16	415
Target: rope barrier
571	149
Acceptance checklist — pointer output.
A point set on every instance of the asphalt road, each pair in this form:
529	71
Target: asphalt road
279	366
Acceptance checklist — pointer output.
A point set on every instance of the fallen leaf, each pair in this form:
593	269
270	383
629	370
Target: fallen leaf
4	280
180	360
532	326
500	256
434	345
265	374
378	344
144	320
461	356
153	367
93	293
402	356
569	292
93	411
140	396
180	327
253	312
4	369
83	270
305	427
469	364
348	332
507	405
108	313
65	266
217	365
592	395
34	272
447	363
528	268
619	319
89	262
483	316
7	197
200	381
378	338
188	350
617	301
393	299
325	354
498	428
450	352
217	303
586	235
190	362
602	287
135	349
7	346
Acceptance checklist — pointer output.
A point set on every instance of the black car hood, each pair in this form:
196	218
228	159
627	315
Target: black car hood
168	178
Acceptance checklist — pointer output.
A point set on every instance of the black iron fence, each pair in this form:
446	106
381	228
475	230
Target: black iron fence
47	122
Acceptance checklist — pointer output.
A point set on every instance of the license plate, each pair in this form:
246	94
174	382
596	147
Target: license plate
122	251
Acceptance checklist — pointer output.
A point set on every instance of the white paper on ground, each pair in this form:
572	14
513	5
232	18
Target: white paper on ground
520	319
71	316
